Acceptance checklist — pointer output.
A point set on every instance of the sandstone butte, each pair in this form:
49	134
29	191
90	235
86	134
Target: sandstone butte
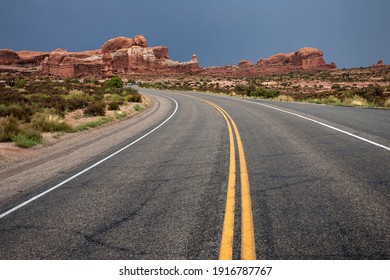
121	56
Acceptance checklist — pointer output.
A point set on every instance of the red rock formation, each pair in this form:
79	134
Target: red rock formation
132	56
140	40
31	59
115	44
22	58
73	64
118	56
107	64
245	63
303	59
8	57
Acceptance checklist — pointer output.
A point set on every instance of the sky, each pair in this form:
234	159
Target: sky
352	33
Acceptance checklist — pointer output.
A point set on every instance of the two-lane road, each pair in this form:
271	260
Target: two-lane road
315	192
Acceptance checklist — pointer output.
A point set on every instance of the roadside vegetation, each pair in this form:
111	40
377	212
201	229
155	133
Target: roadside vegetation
363	87
30	107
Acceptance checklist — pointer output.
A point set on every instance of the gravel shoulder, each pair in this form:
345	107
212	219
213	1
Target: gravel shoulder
22	171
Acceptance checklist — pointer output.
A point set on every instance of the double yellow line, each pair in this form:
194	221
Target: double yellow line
248	251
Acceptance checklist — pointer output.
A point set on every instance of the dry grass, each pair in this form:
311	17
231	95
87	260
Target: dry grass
284	98
387	103
356	101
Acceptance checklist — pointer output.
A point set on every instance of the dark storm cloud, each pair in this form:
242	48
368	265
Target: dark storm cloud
350	32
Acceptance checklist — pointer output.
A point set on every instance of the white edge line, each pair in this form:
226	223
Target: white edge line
92	166
320	123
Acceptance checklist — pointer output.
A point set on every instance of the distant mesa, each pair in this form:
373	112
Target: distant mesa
302	60
305	58
124	55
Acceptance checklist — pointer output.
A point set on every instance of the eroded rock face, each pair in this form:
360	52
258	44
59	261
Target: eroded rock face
123	55
62	63
117	56
8	57
245	63
140	40
115	44
305	58
22	58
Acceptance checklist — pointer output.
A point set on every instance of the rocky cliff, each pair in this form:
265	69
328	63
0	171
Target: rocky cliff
22	58
117	56
303	59
124	55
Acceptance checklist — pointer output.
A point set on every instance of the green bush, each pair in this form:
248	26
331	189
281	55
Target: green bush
117	98
95	109
20	83
114	82
135	97
120	115
9	127
138	107
27	137
265	93
113	106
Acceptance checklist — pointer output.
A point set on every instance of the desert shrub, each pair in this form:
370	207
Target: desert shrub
113	106
120	115
9	127
20	83
138	107
95	109
332	100
76	102
27	137
135	97
23	141
3	108
118	99
49	122
130	91
263	92
114	82
72	81
76	92
370	93
16	110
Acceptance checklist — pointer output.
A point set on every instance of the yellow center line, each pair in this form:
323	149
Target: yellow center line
226	248
248	250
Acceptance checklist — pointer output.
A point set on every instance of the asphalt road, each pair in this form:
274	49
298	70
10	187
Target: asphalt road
315	192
